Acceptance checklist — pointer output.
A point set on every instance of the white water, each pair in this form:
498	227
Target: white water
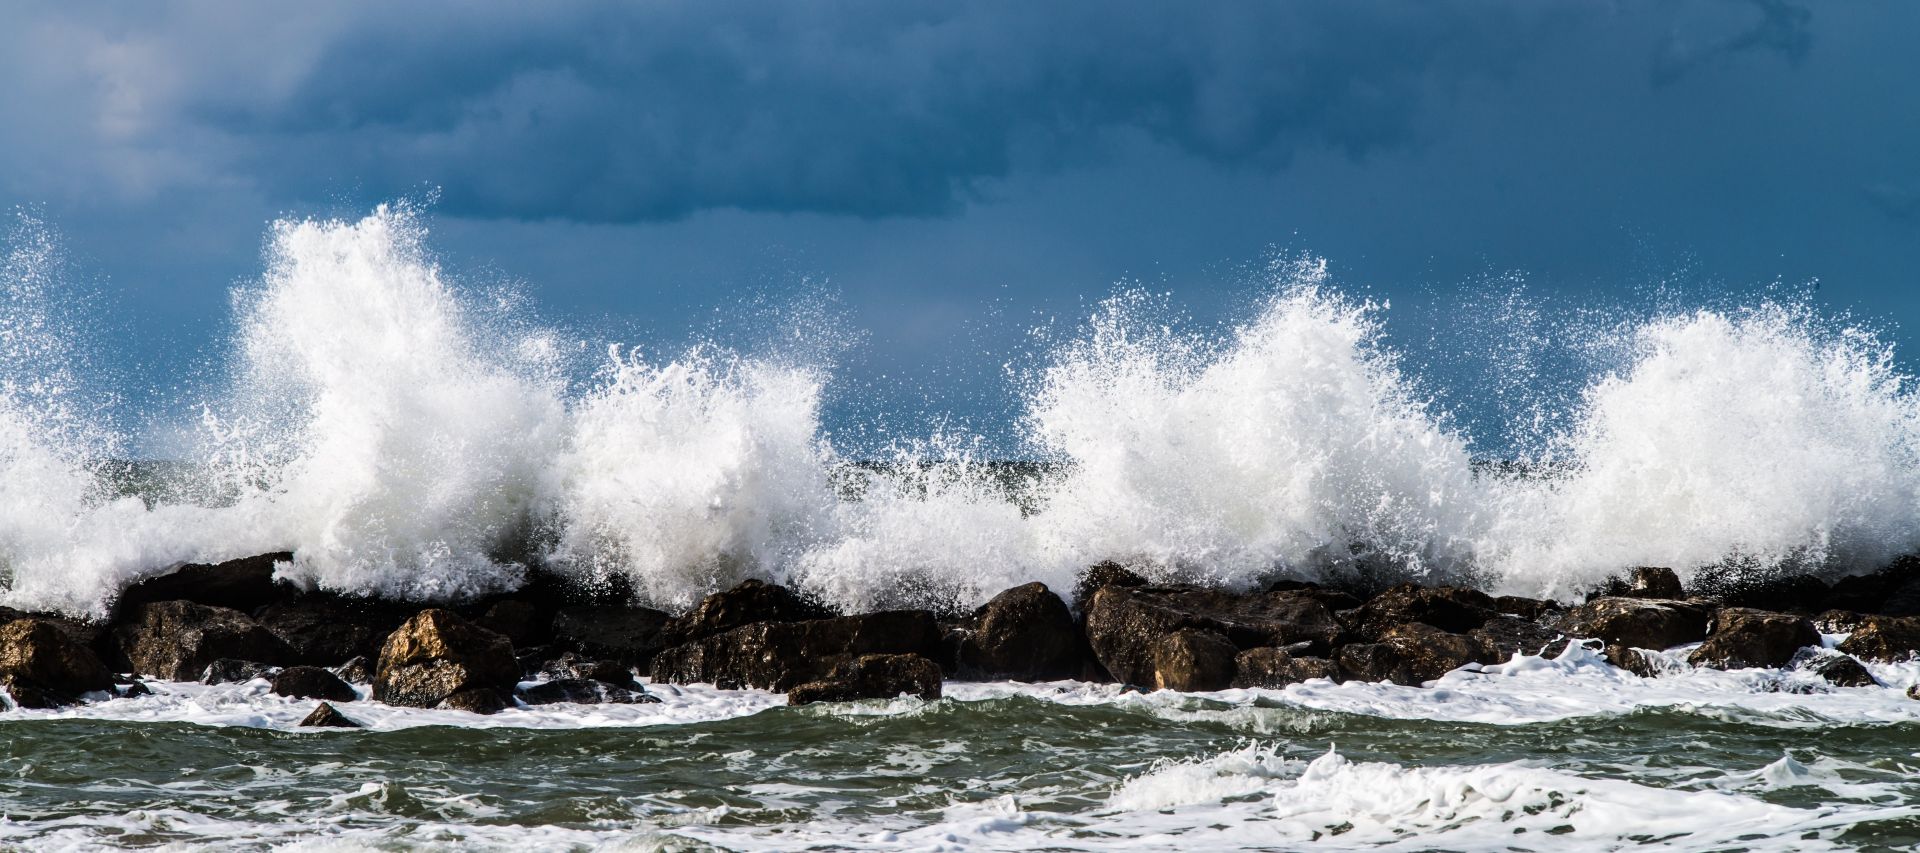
406	436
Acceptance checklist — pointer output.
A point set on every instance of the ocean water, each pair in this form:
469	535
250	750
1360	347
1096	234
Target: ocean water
410	436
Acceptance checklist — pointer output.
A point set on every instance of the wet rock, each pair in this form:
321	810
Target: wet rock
749	602
1275	668
584	691
1410	654
1025	633
1334	599
1122	623
42	665
1523	607
1191	660
327	630
436	655
326	716
781	655
1749	586
178	640
631	635
356	671
1505	636
1637	622
1102	575
572	666
1651	582
1838	621
1891	591
1450	609
1637	661
245	584
1883	638
1913	692
520	621
312	682
133	689
236	671
1744	637
1841	671
872	677
477	700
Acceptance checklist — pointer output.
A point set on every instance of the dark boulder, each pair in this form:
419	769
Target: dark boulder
1841	671
1450	609
1891	591
178	640
1025	633
749	602
436	655
572	666
631	635
1190	660
236	671
1883	638
1748	586
1523	607
42	665
872	677
245	584
1505	636
325	630
1410	654
1743	637
326	716
356	671
584	691
519	620
1650	582
1640	662
1102	575
781	655
1637	622
477	700
312	682
1123	623
1276	668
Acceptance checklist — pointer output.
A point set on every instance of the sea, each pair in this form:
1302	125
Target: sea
410	436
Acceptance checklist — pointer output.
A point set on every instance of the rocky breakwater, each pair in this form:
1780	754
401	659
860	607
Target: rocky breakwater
551	643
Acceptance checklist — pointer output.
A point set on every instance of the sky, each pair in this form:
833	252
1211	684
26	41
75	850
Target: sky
948	177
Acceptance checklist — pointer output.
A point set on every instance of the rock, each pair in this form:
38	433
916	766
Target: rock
1523	607
312	682
572	666
436	655
1652	582
326	716
1749	586
133	689
519	620
1102	575
245	584
1410	654
178	640
1505	636
42	665
356	671
1743	637
779	656
1275	668
1913	692
477	700
872	677
1637	622
1637	661
1842	671
327	630
236	671
631	635
1883	638
1123	623
1191	660
1025	634
1839	621
584	691
1450	609
1891	591
749	602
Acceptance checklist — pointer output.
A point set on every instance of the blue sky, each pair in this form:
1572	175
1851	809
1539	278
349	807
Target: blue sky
956	174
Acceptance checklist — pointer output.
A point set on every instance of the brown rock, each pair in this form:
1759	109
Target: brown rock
178	640
328	630
1883	638
1523	607
1743	637
245	584
1102	575
1191	660
522	622
1275	668
1842	671
630	635
437	655
1451	609
749	602
872	677
312	682
1410	654
326	716
44	666
1025	633
1637	661
779	656
1637	622
1123	623
1505	636
236	671
477	700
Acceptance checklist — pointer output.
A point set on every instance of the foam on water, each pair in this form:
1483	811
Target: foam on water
406	436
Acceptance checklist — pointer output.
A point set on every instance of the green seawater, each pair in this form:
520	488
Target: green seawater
1004	773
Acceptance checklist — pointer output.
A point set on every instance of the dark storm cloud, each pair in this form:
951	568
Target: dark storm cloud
619	112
